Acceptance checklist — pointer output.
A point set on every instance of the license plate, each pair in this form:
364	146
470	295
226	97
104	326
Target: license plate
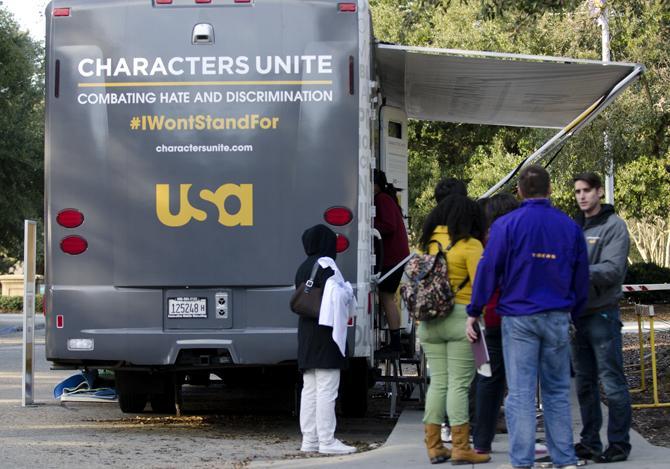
187	308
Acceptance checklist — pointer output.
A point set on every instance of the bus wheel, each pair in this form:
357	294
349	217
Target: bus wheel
164	402
132	403
354	388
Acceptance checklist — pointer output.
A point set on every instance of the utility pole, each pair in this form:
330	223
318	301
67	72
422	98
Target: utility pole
599	10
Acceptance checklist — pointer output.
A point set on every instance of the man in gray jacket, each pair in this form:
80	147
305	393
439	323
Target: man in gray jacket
596	348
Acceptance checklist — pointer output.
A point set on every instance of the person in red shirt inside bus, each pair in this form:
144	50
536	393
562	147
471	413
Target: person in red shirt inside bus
391	225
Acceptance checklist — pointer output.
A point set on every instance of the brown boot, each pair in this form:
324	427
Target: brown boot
462	453
436	450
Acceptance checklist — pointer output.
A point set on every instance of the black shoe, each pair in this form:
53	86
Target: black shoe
584	452
614	453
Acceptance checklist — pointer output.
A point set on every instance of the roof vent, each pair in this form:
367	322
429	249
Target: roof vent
203	33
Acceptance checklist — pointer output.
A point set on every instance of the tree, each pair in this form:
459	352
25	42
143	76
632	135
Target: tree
21	136
638	123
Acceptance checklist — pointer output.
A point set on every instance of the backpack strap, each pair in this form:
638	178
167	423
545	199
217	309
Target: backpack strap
444	253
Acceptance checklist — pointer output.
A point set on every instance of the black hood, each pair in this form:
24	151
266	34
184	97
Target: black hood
320	241
605	211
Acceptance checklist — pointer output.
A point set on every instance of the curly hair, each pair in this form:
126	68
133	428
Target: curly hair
447	187
460	214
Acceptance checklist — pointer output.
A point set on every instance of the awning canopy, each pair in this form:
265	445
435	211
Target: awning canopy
497	89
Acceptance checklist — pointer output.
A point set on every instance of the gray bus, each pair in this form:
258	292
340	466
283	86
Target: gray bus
190	142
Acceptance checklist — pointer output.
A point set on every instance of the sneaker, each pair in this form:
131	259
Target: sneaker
309	446
336	447
614	453
584	452
445	434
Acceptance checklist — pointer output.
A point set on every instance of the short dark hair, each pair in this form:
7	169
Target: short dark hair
534	181
449	186
592	179
499	205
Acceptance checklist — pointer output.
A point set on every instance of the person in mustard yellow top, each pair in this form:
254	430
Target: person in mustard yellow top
457	225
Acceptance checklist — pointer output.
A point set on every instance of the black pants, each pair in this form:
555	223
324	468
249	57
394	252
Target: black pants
490	393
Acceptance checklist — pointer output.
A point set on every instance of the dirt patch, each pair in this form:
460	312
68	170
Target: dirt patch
650	423
662	312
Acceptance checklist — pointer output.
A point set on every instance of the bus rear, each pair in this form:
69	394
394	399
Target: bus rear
188	145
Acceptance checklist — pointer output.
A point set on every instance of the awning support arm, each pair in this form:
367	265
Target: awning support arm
571	129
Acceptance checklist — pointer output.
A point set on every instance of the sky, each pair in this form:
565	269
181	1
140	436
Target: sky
29	14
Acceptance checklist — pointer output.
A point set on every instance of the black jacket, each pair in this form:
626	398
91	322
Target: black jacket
316	347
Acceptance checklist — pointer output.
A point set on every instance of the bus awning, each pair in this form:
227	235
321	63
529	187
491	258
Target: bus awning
497	89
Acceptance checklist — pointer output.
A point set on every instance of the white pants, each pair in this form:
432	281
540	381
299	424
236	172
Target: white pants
317	405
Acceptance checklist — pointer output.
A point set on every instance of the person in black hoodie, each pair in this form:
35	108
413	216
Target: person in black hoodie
319	358
596	348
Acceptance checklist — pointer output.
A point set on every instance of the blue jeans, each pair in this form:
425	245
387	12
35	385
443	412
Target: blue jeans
490	393
596	353
538	345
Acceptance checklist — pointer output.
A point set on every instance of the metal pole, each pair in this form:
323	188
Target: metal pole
29	250
603	21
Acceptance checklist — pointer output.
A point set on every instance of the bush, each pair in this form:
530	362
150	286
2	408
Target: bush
646	273
14	304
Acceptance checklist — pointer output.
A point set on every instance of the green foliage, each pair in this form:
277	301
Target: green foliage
637	124
21	136
647	273
14	304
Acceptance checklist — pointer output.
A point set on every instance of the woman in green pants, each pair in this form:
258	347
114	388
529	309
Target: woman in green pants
457	225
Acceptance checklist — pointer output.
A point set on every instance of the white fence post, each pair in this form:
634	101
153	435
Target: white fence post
29	251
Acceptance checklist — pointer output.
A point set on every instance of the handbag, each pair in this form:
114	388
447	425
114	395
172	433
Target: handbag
306	299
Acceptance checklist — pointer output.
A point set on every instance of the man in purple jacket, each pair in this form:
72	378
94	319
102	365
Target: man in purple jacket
536	255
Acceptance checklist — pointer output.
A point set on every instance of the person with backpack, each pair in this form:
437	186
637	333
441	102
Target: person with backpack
454	227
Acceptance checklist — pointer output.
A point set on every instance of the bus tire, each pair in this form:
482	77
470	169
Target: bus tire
354	388
163	401
132	403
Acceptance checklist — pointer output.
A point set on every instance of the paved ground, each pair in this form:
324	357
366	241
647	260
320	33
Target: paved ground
223	427
404	449
99	435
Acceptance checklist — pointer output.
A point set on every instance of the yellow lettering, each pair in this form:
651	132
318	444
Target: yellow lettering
243	192
153	122
186	210
243	122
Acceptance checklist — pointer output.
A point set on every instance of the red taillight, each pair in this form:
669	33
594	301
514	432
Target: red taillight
203	1
59	321
163	2
61	12
351	322
338	216
73	245
342	243
347	7
70	218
